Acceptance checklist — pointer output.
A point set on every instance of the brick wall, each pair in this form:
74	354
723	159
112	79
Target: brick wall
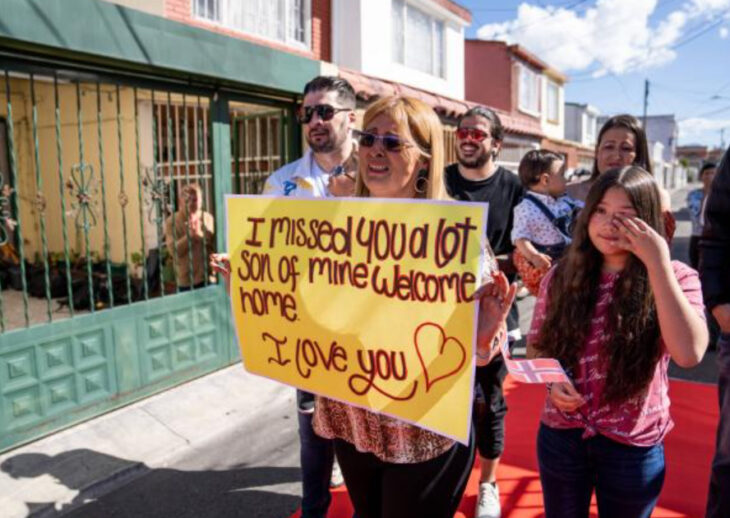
322	29
182	11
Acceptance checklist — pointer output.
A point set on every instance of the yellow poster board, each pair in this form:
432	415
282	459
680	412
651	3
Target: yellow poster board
363	301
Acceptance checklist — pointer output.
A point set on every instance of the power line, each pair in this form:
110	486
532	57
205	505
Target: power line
710	113
706	95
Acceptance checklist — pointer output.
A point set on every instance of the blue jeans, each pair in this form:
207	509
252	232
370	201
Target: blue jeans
718	501
317	456
627	479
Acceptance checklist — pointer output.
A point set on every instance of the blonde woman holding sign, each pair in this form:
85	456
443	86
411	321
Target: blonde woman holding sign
394	469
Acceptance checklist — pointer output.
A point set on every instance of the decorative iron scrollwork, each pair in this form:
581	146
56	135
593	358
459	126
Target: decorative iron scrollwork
82	187
157	190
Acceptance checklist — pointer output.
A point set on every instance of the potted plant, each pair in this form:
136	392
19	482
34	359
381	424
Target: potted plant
137	262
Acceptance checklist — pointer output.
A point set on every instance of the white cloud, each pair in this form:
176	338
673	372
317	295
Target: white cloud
697	127
614	36
724	32
705	6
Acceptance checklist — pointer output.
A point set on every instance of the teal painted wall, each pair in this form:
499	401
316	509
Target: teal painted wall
55	375
102	32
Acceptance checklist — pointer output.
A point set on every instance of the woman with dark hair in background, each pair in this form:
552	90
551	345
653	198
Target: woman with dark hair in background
622	142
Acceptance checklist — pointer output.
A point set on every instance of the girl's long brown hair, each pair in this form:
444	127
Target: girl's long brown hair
631	352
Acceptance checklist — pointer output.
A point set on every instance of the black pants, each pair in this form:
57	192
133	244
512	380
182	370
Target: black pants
431	489
694	251
489	413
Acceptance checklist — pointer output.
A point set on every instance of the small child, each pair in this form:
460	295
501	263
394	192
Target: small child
542	220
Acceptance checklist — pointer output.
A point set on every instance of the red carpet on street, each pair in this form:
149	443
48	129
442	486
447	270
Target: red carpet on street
689	450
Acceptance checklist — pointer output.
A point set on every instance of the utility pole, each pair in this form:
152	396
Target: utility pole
646	101
722	138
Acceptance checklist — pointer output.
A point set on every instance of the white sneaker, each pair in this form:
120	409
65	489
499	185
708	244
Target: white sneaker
488	504
336	480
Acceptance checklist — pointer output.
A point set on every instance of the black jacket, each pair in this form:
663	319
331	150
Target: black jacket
715	242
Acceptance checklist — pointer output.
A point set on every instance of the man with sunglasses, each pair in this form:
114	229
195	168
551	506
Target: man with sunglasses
476	177
328	168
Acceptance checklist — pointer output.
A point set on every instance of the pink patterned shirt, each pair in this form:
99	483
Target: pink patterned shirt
643	420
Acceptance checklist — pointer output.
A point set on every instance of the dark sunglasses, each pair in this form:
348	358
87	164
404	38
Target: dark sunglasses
325	112
473	133
391	143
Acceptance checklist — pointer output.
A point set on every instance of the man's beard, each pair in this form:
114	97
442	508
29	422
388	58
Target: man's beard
474	162
333	141
325	146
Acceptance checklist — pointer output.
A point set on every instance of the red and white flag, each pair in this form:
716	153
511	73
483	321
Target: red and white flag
539	370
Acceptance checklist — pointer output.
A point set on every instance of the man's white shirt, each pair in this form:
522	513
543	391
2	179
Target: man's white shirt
302	178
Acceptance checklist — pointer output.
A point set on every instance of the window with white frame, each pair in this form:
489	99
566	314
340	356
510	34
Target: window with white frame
590	125
529	95
287	21
553	102
417	39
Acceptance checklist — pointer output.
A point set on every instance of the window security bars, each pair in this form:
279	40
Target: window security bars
91	174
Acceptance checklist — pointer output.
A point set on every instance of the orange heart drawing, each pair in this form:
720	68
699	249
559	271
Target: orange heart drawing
430	340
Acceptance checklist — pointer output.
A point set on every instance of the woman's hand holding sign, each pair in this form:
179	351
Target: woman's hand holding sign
220	263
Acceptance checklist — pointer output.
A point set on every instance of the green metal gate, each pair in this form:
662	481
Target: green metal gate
94	312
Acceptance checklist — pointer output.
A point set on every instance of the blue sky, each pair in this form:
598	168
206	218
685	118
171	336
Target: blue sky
609	47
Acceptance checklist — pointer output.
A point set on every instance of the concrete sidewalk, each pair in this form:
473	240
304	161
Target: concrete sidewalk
59	473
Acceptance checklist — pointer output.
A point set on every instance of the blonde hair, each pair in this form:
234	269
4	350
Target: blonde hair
417	122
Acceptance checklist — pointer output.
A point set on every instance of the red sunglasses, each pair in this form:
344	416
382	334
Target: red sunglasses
473	133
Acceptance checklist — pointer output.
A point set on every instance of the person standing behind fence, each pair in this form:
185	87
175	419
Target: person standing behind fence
715	272
622	142
328	168
192	237
613	311
696	203
476	177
